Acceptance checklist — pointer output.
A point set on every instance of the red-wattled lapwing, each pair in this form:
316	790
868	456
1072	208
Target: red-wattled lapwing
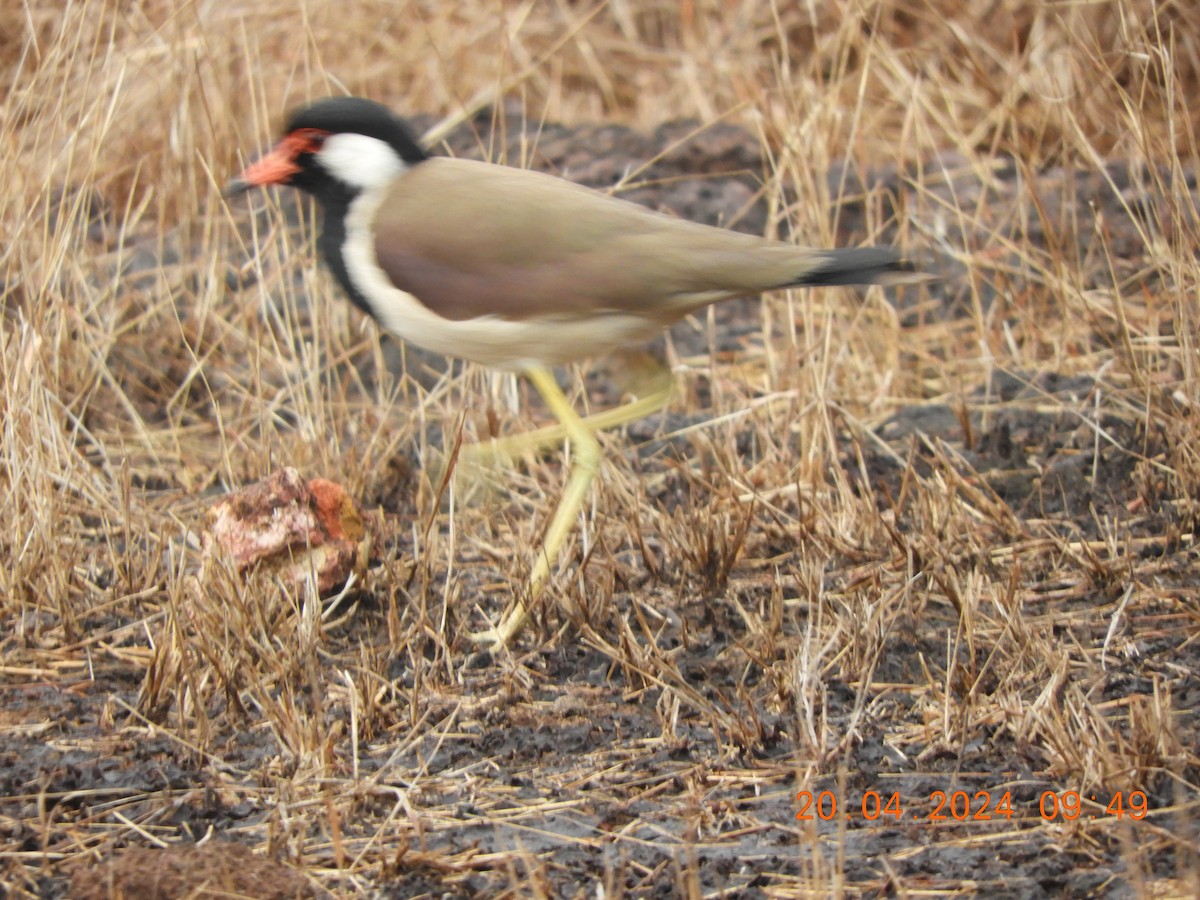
517	269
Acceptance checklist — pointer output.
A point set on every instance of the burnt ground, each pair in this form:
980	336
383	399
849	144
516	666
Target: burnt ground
670	741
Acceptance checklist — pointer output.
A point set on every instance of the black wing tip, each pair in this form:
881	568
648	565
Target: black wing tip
862	265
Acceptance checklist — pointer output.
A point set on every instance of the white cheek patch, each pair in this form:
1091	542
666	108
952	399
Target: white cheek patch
359	161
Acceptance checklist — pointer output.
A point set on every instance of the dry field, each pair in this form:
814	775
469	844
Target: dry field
927	555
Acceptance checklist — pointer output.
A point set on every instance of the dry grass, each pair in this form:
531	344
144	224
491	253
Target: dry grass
804	582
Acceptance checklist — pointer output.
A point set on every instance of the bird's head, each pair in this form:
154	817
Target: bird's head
336	146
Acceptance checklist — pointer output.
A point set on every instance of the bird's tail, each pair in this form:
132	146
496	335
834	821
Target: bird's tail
860	265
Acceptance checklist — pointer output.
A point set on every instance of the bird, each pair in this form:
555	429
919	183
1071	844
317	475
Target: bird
519	270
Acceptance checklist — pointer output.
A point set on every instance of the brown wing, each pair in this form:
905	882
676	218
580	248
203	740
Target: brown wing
471	239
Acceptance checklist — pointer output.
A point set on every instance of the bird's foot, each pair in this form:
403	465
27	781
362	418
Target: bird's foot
493	640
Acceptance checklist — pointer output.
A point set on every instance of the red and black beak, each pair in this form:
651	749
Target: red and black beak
281	163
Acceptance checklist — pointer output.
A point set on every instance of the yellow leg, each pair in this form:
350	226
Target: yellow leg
584	465
516	444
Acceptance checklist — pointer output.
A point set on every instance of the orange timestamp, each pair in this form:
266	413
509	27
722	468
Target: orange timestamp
970	806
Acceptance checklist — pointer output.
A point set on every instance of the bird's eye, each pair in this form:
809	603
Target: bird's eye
312	139
305	140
